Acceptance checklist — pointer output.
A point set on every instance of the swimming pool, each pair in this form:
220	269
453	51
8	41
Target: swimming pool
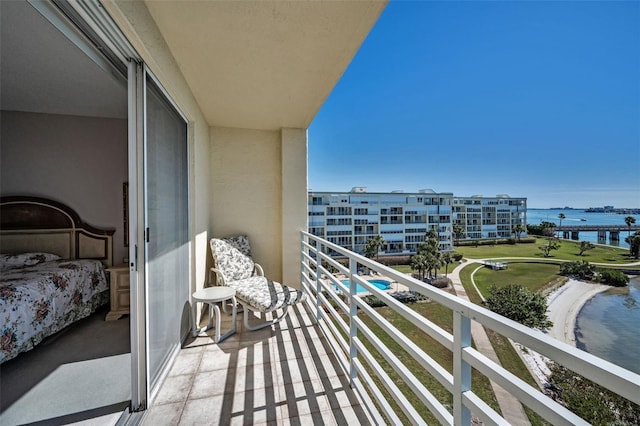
380	284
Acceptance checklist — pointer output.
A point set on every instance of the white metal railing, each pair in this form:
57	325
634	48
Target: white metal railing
347	333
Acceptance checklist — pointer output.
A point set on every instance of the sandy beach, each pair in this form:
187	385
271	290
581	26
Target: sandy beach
563	307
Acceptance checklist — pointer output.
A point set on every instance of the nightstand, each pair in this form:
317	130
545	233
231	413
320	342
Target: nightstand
119	288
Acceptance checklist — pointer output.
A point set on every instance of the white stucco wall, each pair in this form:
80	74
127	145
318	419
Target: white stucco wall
259	188
79	161
246	191
294	201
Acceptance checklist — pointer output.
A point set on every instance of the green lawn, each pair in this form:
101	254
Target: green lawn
534	276
405	269
444	318
568	251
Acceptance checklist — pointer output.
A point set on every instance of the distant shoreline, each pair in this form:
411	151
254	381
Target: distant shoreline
621	210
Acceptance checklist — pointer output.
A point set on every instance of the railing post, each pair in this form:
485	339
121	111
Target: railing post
461	370
318	279
353	311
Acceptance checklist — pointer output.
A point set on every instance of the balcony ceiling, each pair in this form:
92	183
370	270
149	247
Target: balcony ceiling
263	65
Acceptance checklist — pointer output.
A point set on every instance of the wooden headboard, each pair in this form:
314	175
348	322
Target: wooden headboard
31	224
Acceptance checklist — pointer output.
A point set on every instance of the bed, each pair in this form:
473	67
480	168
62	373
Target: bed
52	271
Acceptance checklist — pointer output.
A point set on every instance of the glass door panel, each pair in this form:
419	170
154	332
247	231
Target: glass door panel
166	228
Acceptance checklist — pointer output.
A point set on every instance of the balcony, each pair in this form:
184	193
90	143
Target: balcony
327	363
409	221
287	374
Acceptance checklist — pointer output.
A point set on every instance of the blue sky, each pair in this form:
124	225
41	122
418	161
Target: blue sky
536	99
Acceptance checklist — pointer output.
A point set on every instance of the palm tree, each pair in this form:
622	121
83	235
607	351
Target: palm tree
431	241
518	229
634	244
458	231
373	246
629	220
433	262
430	249
418	263
561	216
446	259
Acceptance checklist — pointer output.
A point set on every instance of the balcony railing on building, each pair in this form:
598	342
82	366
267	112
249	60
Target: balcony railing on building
344	317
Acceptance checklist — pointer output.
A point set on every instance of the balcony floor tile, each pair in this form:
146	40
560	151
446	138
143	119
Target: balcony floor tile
285	374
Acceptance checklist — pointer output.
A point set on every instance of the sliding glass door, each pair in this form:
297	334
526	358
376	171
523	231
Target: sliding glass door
167	227
160	205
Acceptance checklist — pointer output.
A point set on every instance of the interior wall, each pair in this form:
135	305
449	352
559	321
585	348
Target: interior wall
246	191
79	161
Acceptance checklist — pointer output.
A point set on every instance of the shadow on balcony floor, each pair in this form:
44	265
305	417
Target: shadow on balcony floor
284	374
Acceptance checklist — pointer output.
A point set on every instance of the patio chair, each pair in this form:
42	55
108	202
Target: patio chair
234	267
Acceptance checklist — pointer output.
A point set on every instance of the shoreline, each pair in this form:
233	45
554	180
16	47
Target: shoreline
563	307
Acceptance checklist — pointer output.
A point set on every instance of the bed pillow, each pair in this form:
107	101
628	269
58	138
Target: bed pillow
12	261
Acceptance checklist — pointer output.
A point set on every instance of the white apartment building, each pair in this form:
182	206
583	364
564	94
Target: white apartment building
489	217
350	219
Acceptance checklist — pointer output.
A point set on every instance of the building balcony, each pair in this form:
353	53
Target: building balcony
395	251
383	221
336	360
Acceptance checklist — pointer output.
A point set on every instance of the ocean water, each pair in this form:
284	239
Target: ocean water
575	216
607	326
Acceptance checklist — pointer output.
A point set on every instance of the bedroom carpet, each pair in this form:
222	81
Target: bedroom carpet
81	373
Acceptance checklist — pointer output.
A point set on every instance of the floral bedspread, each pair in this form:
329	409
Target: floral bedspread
39	300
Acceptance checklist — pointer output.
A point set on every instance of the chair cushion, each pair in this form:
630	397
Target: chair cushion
264	295
232	256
